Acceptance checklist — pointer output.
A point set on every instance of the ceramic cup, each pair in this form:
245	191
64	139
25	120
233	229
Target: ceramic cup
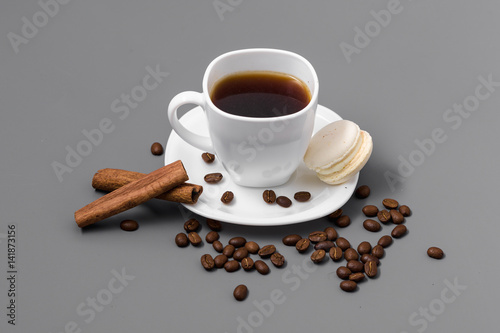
256	152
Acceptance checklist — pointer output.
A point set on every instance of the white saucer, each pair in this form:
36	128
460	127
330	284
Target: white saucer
248	207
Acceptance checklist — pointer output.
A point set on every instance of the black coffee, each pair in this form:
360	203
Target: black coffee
260	94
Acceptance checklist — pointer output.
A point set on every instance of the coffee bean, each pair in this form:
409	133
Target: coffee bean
214	225
240	253
302	196
362	192
212	236
208	157
435	252
371	225
237	241
220	260
261	267
227	197
336	214
390	203
252	247
343	221
343	272
228	250
302	245
405	210
385	241
191	225
318	256
181	240
357	277
194	238
370	210
378	251
231	266
157	149
213	178
351	254
277	259
399	231
291	240
269	196
207	262
348	286
283	201
317	236
397	217
331	233
371	269
368	257
247	263
364	247
384	216
217	245
355	266
335	253
240	292
266	251
129	225
324	245
343	243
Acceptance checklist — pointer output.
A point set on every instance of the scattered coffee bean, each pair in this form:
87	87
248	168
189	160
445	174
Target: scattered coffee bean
405	210
348	286
240	253
396	217
212	236
181	240
227	197
194	238
213	178
351	254
343	243
247	263
331	233
355	266
220	260
231	266
214	225
283	201
364	247
277	259
302	196
385	241
357	277
129	225
371	268
240	292
336	214
343	272
252	247
343	221
269	196
208	157
302	245
362	192
399	231
207	262
318	256
228	250
217	245
384	216
370	210
317	236
371	225
324	245
390	203
378	251
335	253
237	241
157	149
368	257
261	267
435	252
266	251
291	240
191	225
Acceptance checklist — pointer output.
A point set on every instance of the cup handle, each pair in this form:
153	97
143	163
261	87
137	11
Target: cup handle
188	97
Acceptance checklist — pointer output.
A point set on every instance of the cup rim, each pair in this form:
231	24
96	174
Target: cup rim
314	94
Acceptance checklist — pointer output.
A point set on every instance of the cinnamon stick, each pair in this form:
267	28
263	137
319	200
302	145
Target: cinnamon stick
132	194
112	179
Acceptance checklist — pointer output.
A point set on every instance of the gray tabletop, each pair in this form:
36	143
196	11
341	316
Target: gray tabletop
422	77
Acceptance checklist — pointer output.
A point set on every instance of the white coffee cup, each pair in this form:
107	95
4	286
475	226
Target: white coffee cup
256	152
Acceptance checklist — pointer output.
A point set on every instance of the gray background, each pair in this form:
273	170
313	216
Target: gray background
65	78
